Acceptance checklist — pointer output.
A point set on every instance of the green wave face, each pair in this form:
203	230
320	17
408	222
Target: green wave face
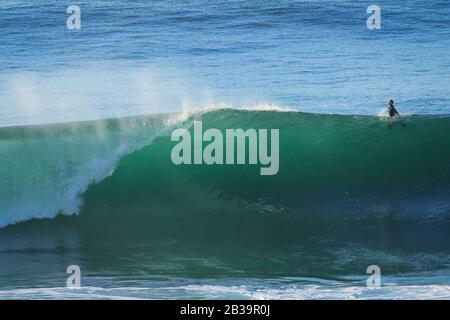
333	170
339	176
350	190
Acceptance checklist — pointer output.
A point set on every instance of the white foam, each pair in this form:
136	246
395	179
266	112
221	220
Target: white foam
267	107
62	168
316	291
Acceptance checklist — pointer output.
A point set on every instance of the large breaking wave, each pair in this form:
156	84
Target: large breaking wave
352	176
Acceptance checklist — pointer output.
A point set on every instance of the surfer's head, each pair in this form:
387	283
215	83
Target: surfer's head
391	102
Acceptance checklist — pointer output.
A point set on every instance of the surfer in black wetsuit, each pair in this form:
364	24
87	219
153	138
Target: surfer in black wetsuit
392	111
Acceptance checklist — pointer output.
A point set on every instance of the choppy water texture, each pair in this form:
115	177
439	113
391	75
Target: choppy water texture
353	190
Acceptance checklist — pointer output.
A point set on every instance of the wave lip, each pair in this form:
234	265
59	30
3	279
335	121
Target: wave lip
45	168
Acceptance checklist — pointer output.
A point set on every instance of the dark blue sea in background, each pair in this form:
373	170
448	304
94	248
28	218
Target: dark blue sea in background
134	57
352	190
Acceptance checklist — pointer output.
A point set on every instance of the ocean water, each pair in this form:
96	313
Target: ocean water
86	177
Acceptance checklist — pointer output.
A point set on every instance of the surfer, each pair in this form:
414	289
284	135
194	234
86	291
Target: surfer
393	113
391	109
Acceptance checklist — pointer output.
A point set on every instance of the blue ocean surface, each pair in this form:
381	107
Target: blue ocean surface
139	57
85	171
